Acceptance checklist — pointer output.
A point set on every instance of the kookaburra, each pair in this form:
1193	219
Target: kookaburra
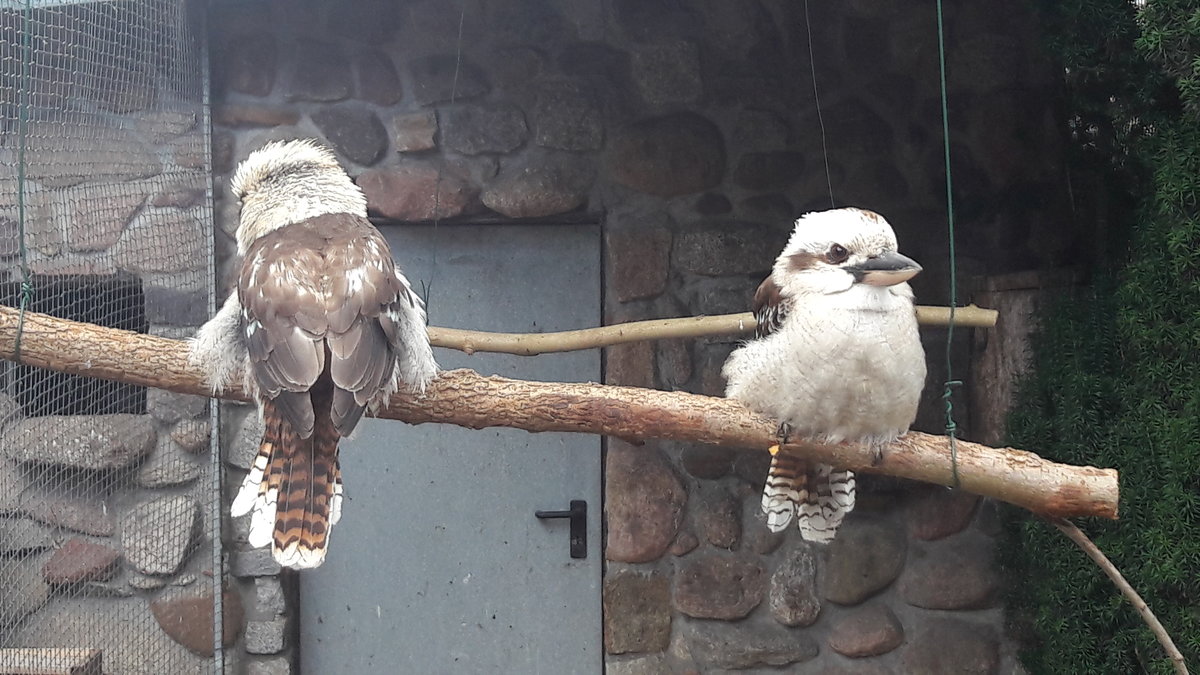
836	357
323	325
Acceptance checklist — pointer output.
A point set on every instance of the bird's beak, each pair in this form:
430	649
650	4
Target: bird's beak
885	269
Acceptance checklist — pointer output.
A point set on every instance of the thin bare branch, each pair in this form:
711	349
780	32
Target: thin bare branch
1082	541
532	344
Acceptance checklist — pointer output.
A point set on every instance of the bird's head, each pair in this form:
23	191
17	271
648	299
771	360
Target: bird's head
832	251
285	182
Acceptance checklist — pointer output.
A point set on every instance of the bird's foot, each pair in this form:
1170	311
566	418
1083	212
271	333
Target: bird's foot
781	438
876	454
783	432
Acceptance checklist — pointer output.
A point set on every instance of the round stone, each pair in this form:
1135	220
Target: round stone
870	631
644	503
668	156
793	598
637	612
354	131
719	587
864	559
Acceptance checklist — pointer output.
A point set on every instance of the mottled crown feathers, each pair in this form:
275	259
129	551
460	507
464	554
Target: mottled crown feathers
279	158
286	182
857	229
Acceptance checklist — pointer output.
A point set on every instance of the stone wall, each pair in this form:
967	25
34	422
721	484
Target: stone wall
106	490
691	132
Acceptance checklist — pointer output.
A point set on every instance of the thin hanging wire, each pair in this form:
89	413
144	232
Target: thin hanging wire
22	140
812	64
437	186
950	383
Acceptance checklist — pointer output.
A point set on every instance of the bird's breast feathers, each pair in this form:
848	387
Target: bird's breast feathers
848	370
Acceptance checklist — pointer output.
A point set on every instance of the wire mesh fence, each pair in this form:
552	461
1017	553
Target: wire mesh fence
107	526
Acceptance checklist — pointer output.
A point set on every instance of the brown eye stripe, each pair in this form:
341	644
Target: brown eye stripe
798	262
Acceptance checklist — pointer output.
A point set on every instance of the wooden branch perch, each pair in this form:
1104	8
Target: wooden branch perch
532	344
465	398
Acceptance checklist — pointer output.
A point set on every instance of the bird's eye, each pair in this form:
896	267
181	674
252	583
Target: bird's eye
837	254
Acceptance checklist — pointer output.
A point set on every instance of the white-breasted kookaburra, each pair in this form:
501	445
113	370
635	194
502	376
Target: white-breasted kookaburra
323	325
836	357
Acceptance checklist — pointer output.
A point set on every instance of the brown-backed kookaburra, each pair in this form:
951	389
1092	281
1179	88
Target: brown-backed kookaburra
323	325
836	357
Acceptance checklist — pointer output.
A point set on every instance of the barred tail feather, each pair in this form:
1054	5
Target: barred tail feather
335	504
817	496
782	492
294	490
259	493
308	490
830	498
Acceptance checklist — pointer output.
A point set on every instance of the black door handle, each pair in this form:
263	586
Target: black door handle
578	515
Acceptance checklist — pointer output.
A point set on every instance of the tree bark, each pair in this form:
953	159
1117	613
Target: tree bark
465	398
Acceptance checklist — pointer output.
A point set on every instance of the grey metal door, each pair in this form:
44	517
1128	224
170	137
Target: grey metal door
439	564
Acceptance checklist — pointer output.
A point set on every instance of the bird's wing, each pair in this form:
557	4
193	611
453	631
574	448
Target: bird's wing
362	354
770	308
322	288
283	303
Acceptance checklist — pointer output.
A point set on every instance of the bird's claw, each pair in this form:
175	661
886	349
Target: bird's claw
876	455
782	433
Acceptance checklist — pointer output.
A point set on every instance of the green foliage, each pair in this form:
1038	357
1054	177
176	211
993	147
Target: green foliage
1117	371
1171	37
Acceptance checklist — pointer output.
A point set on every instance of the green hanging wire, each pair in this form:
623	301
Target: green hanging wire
22	125
950	383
